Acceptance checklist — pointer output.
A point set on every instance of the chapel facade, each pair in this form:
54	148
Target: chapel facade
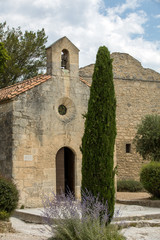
42	124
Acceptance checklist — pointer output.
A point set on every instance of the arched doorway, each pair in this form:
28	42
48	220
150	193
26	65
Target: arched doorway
65	171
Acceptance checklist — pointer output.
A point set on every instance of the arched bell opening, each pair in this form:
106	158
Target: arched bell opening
65	171
65	59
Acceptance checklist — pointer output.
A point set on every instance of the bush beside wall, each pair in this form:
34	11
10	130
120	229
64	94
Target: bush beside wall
8	197
150	178
129	185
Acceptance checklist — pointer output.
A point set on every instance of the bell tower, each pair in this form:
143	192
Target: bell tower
67	93
63	56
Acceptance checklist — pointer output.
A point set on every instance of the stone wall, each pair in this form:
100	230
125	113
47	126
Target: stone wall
137	94
40	132
124	67
135	99
127	67
6	116
54	57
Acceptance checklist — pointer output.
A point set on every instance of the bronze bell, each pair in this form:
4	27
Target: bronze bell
63	64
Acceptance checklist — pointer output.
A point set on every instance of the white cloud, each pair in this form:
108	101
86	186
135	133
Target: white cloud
119	9
82	22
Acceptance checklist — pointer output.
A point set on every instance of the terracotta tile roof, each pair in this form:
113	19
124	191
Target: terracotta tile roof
84	81
10	92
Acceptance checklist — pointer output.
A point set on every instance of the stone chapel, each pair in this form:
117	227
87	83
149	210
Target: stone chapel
41	123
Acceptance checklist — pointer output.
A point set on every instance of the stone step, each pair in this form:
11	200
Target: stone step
39	219
140	202
137	218
29	217
138	224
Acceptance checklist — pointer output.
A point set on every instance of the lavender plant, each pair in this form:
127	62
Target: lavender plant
78	220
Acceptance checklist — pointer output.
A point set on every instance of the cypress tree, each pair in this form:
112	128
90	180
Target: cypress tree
100	131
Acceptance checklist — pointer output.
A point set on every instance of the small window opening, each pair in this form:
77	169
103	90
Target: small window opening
65	59
62	109
128	148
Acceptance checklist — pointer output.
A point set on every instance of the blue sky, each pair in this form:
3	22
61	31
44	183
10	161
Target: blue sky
131	26
152	10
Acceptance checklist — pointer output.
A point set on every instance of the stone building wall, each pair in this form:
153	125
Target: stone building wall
6	116
137	93
135	99
39	132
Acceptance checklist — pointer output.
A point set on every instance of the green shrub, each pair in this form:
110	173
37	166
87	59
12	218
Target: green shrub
8	195
150	178
4	215
90	230
129	185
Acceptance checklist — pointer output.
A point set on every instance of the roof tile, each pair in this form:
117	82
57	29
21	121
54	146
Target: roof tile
10	92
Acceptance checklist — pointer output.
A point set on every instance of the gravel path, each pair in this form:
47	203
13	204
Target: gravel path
26	231
19	236
145	233
33	232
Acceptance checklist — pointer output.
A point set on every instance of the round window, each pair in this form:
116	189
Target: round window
62	109
65	109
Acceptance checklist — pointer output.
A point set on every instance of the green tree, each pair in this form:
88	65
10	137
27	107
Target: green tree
100	131
26	51
147	139
3	58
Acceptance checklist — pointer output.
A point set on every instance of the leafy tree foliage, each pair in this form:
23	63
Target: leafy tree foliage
3	58
100	131
26	51
147	139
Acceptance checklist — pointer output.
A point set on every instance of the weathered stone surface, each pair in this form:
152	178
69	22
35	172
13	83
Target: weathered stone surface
39	131
6	119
